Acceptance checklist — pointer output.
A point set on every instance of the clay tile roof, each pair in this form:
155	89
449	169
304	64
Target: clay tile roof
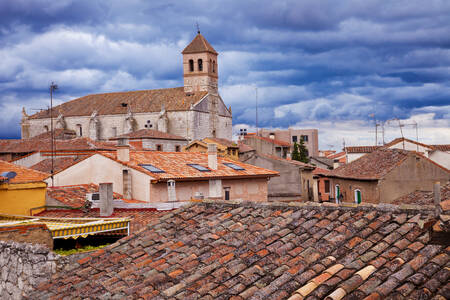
398	140
244	148
59	134
74	195
320	171
444	148
224	142
290	161
59	163
24	175
199	44
424	197
361	149
371	166
175	166
173	99
273	141
150	133
265	251
337	155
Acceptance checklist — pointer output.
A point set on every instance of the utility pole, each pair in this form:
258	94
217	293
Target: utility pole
53	87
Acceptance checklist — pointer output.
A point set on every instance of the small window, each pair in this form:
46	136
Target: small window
304	138
46	128
214	66
294	139
199	167
114	131
159	147
177	148
152	168
200	65
327	186
234	166
358	198
80	130
191	65
227	193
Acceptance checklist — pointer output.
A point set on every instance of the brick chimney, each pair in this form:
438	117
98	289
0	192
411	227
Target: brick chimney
123	153
106	199
212	156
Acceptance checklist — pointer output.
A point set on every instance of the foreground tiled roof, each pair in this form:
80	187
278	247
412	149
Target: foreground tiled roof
372	166
444	148
175	165
74	195
361	149
150	133
199	44
59	163
44	144
140	218
24	175
251	251
272	141
117	103
424	197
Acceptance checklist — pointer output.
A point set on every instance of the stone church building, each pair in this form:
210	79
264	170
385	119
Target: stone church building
194	111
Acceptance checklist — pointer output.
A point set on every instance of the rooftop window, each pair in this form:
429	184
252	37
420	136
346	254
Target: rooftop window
152	168
199	167
234	167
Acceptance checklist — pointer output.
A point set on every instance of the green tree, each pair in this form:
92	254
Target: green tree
303	152
295	154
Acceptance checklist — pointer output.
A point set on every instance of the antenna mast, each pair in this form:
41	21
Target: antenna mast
53	87
256	94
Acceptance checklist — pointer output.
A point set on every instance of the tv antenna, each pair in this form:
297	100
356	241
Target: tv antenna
198	27
256	109
53	87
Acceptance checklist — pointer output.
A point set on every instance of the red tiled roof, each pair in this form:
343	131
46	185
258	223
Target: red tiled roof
291	161
336	155
199	44
265	251
24	175
223	142
173	99
175	165
59	163
273	141
424	197
150	133
399	140
38	144
371	166
320	171
140	217
361	149
444	148
59	134
74	195
244	148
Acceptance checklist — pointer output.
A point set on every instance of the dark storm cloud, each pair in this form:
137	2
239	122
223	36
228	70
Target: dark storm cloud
312	61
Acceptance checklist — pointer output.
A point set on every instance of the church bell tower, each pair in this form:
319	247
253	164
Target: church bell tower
200	66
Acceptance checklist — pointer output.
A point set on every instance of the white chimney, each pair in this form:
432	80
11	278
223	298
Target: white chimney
123	153
171	191
212	156
106	199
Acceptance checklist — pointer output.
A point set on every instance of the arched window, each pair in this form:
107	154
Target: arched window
337	192
214	66
200	65
358	198
79	130
191	65
46	128
210	65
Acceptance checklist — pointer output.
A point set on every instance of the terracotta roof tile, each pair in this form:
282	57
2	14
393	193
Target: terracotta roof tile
24	175
219	250
173	99
244	148
199	44
337	155
361	149
59	163
272	141
224	142
444	148
424	197
150	133
175	165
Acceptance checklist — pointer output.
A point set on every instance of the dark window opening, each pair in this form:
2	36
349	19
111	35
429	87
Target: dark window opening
159	147
152	168
304	138
294	139
199	167
177	148
327	186
46	128
200	65
227	193
124	104
214	66
191	65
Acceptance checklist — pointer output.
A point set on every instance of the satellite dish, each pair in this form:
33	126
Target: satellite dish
9	175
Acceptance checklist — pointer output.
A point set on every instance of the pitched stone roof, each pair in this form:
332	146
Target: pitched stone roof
24	175
176	166
266	251
424	197
151	134
199	44
372	166
173	99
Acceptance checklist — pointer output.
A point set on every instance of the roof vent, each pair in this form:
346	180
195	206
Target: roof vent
9	174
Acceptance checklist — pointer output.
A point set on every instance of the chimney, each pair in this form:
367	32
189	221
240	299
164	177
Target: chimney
123	153
106	199
437	197
212	156
171	191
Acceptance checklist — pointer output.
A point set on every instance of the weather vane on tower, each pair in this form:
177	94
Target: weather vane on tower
198	27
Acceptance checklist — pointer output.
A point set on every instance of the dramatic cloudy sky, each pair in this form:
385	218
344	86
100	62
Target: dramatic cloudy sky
317	64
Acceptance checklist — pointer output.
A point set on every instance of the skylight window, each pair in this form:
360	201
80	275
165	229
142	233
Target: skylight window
234	167
199	168
152	168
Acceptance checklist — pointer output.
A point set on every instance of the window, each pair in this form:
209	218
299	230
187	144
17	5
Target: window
159	147
358	198
200	65
234	166
148	125
304	138
327	186
199	167
214	66
177	148
152	168
80	130
191	65
227	193
294	139
114	131
46	128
